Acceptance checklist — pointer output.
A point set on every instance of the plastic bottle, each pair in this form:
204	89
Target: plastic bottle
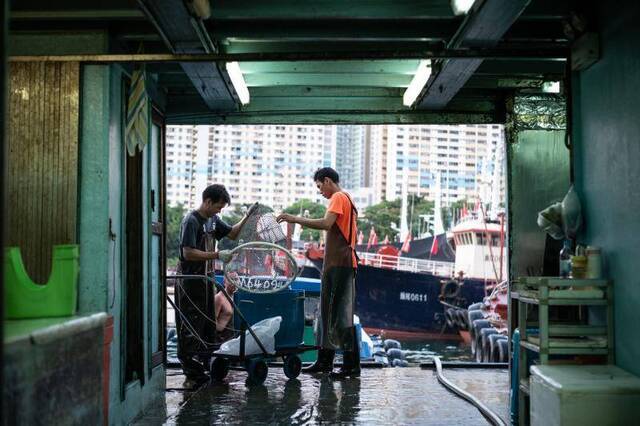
565	259
578	267
594	262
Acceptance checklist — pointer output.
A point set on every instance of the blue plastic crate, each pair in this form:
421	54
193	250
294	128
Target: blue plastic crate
289	304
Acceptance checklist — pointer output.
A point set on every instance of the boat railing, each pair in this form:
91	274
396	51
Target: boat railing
410	264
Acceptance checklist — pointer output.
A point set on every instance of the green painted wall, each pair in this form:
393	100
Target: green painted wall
103	184
93	223
538	176
607	158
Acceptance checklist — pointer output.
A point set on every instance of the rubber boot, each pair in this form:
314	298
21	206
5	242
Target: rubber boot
323	364
350	360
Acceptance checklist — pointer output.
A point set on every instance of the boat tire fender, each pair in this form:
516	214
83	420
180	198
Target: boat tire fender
472	316
503	349
391	343
461	319
395	353
484	347
477	325
450	318
475	306
493	354
449	289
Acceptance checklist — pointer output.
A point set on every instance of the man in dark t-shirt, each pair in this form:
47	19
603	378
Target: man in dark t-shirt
195	297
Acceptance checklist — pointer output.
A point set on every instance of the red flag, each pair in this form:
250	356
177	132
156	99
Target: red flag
477	207
360	237
386	240
464	210
406	246
434	246
374	242
372	232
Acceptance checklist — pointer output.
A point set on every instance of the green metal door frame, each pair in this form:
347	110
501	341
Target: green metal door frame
4	19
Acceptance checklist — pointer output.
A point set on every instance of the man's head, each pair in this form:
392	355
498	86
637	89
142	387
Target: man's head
231	282
327	181
214	198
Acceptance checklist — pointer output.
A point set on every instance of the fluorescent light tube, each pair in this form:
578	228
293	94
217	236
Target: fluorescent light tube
417	84
461	7
238	82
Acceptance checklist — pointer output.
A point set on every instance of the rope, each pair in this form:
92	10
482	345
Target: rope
490	415
188	325
212	321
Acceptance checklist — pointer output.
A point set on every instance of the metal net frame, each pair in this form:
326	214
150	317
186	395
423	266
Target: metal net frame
261	262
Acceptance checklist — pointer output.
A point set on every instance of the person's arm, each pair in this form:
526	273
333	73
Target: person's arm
235	229
193	254
324	223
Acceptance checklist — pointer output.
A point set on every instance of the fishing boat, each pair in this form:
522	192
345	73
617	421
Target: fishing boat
423	293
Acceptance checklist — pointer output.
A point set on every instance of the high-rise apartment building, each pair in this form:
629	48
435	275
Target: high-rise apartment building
350	143
181	157
464	157
274	164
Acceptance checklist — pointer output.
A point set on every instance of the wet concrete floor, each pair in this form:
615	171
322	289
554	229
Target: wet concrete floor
381	396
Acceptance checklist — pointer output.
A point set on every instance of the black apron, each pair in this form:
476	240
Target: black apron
337	297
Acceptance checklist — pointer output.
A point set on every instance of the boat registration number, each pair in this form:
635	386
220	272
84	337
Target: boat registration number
413	297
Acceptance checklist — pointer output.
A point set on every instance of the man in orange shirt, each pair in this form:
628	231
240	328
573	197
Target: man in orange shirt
337	296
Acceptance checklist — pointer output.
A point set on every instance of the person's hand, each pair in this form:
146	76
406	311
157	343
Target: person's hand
286	217
225	256
252	209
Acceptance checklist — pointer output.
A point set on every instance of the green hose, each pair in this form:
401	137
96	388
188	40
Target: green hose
490	415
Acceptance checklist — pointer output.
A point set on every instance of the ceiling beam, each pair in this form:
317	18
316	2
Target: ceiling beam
178	116
483	27
185	34
68	15
295	9
541	53
418	29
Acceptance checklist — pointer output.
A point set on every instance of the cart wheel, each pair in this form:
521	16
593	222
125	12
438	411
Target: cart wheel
219	368
292	366
257	370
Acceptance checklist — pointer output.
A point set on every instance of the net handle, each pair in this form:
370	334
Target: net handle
264	244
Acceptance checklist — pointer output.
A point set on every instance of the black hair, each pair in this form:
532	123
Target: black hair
326	172
216	193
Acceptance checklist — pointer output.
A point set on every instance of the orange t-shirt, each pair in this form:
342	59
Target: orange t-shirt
340	204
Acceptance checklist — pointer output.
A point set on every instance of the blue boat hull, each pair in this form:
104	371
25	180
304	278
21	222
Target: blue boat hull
401	302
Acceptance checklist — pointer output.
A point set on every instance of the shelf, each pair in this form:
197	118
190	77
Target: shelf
595	349
534	300
562	282
556	330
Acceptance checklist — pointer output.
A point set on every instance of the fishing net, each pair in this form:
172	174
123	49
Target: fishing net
262	226
261	263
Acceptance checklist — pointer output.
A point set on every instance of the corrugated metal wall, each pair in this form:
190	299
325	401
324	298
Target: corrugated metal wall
42	161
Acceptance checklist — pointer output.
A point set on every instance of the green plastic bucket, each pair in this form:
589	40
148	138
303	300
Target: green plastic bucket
57	298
